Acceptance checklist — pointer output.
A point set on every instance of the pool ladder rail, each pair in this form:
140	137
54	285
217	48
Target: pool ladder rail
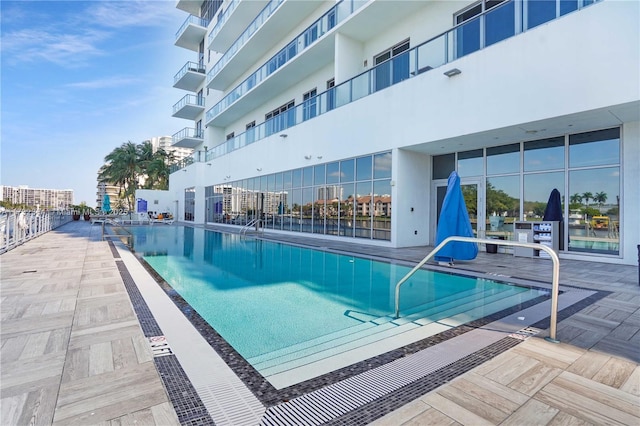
116	225
251	224
554	282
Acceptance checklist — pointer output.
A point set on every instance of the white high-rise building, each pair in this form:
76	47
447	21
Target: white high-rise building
39	198
165	142
354	113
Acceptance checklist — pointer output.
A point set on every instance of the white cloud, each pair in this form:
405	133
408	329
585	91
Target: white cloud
104	83
118	14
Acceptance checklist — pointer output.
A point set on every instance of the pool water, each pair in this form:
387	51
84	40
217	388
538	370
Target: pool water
262	296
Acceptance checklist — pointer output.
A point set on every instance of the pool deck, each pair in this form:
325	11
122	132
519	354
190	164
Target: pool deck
74	352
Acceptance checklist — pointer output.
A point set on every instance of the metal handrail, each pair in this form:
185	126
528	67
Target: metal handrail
115	224
248	226
535	246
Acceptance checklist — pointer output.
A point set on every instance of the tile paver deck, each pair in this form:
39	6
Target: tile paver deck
73	351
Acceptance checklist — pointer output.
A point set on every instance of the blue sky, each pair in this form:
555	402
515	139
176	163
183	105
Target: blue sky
78	79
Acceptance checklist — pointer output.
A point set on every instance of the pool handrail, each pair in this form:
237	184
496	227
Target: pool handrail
115	224
554	280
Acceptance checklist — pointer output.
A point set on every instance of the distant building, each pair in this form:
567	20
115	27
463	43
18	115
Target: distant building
105	189
37	197
164	142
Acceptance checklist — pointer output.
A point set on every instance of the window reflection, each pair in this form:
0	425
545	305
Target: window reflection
363	212
537	188
443	165
382	166
333	172
594	148
364	168
470	163
503	204
594	205
503	159
546	154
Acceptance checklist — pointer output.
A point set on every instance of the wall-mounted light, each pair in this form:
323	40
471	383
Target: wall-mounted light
308	157
319	157
228	176
452	72
184	170
259	169
283	135
208	164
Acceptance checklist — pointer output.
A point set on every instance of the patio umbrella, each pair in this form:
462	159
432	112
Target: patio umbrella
553	211
454	221
106	204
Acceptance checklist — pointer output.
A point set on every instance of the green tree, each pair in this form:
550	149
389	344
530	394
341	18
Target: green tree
600	198
576	199
586	196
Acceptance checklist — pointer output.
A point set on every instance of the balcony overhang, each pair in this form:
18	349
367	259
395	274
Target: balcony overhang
276	27
188	111
316	57
187	138
236	22
190	79
189	6
191	36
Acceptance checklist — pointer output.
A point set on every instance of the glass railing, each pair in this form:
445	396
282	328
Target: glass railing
222	19
455	43
196	157
192	19
193	100
187	133
246	35
325	23
189	66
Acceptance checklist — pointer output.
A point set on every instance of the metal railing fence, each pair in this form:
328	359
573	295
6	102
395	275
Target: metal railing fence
20	226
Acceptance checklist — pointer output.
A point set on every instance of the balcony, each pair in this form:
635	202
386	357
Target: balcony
189	6
273	23
462	40
187	138
232	22
190	77
191	33
189	107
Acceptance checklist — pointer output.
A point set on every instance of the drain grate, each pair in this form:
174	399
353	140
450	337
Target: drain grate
525	333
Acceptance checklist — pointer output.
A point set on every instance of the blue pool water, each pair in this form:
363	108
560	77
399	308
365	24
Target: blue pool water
264	296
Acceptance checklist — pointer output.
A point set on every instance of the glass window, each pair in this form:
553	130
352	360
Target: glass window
594	208
347	172
468	35
333	172
500	23
539	12
297	178
382	166
347	210
503	203
503	159
537	188
363	209
286	179
278	182
382	209
319	209
470	163
567	6
546	154
443	165
594	148
296	209
319	174
307	209
307	176
364	168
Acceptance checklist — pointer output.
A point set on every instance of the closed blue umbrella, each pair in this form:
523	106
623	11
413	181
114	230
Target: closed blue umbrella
454	221
106	204
553	211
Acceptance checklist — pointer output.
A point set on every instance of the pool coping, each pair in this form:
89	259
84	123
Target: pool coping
271	397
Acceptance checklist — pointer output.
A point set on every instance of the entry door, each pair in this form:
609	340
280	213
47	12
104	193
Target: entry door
473	193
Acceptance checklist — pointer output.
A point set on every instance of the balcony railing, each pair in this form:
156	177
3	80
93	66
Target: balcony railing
192	20
330	19
222	19
193	136
190	66
463	39
246	35
188	100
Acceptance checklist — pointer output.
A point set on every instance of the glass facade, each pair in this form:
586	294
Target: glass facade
350	198
584	167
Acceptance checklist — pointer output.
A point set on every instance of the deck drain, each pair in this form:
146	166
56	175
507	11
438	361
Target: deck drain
525	333
30	272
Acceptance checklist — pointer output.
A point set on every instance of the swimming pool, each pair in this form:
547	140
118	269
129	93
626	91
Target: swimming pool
291	309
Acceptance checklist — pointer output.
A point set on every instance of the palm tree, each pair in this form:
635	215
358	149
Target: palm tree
586	196
600	198
576	199
122	169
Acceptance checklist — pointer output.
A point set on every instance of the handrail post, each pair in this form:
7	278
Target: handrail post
555	280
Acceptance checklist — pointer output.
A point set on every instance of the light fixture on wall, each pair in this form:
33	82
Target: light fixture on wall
283	135
452	72
259	169
319	157
184	170
308	157
228	176
208	164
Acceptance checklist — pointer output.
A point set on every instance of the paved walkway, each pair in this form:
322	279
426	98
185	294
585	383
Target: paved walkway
72	348
73	351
